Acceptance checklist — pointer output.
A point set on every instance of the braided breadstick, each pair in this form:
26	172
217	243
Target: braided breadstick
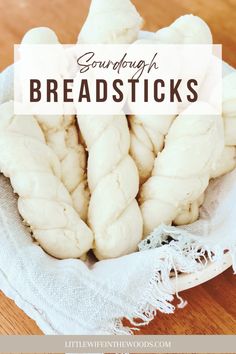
187	29
147	140
229	108
113	214
113	21
227	160
225	164
62	136
182	170
148	132
34	171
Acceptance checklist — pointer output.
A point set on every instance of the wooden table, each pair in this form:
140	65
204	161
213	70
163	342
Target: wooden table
211	307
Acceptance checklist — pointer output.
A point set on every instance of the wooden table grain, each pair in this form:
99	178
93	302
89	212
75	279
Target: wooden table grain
211	307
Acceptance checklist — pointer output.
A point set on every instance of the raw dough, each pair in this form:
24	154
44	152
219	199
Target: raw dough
182	170
229	108
148	132
61	131
35	174
115	21
114	214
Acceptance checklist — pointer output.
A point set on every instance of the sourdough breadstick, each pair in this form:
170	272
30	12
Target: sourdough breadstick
225	164
114	214
227	160
187	29
34	171
147	140
148	132
229	108
61	133
115	21
6	84
182	170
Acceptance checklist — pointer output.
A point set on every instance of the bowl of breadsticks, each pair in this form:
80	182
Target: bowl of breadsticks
110	190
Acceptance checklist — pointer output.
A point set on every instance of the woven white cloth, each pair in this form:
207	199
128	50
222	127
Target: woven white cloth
71	297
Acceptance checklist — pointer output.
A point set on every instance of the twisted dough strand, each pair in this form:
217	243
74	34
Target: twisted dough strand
62	136
187	29
61	133
115	21
113	215
147	140
34	171
148	132
182	170
227	160
229	108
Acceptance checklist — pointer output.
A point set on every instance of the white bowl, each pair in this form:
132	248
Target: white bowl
188	281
